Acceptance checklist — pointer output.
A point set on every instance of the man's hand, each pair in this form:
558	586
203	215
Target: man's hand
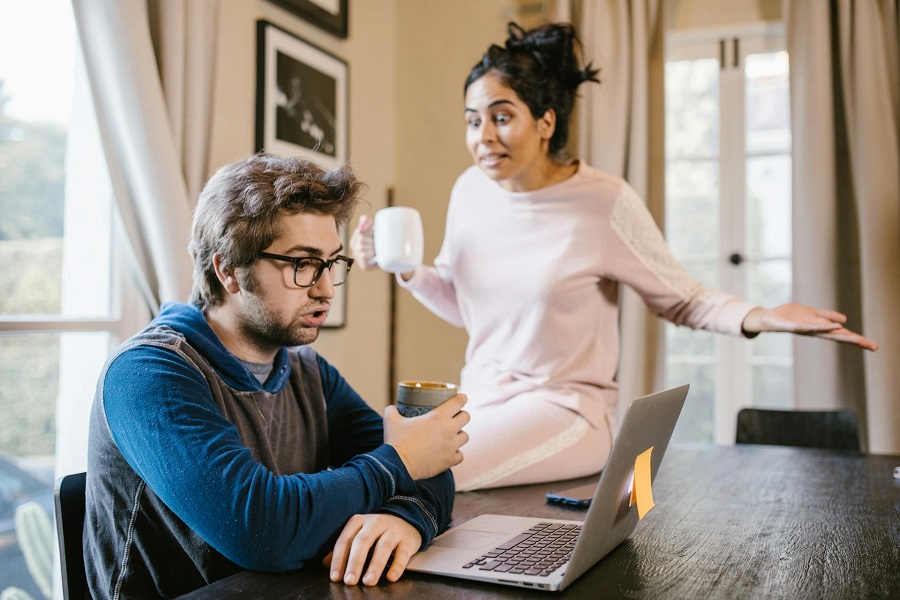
428	444
805	320
383	535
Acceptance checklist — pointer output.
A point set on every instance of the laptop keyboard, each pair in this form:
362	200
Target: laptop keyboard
539	551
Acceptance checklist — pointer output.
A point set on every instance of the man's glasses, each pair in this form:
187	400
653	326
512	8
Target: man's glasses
308	269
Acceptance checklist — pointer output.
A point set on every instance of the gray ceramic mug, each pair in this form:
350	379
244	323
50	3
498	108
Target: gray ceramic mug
416	398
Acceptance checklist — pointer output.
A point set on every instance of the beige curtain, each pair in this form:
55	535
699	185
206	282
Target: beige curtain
621	131
845	105
150	64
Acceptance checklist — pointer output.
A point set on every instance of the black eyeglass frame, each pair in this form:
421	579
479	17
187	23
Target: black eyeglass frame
323	264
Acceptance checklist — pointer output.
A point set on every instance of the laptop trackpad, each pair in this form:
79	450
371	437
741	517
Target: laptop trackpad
469	539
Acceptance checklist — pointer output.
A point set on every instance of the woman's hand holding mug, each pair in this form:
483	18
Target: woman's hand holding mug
394	242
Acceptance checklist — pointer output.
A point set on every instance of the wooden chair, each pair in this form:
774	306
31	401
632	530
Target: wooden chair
831	430
70	503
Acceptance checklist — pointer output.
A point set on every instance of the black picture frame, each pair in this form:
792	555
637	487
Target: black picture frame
330	15
301	98
302	110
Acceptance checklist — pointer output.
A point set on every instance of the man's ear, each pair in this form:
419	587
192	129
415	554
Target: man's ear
547	124
226	275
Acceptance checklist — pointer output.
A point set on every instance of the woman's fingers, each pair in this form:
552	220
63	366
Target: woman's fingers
362	244
845	336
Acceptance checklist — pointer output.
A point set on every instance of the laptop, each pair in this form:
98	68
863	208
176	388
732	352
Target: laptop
495	548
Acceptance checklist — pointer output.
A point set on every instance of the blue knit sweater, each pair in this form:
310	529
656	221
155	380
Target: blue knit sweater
196	470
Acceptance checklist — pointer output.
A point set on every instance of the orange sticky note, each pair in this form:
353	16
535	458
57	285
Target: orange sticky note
641	490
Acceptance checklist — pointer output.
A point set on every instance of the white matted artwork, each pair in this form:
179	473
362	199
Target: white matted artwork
301	98
330	15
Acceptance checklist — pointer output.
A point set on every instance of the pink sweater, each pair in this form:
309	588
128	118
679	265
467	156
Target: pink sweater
534	278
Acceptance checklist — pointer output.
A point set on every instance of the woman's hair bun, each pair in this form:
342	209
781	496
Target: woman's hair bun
555	48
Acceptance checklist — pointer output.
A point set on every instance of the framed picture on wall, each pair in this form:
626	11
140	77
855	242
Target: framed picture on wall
301	98
301	111
330	15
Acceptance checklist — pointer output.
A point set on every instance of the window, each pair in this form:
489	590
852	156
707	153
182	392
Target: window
61	284
728	217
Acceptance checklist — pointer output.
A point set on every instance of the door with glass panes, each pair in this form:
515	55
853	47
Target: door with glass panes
728	218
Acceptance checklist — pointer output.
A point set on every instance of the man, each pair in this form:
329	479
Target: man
219	441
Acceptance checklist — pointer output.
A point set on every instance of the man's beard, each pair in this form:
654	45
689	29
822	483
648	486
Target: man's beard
259	325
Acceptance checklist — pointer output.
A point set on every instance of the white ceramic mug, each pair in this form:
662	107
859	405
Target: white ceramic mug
399	241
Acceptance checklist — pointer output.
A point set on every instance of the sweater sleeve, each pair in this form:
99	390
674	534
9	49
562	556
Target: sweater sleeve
435	292
355	428
163	419
637	254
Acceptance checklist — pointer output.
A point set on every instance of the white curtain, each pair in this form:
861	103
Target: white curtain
845	107
621	131
150	64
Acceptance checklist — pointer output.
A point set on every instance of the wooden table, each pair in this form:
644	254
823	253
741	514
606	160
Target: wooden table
730	522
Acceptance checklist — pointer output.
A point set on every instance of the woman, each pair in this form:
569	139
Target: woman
534	251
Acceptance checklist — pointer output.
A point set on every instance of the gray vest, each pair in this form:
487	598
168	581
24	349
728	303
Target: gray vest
134	545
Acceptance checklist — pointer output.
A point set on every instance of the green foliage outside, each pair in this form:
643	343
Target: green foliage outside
32	193
32	157
29	379
31	276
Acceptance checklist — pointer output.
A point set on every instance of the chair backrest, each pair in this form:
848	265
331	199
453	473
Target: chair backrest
70	502
832	430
